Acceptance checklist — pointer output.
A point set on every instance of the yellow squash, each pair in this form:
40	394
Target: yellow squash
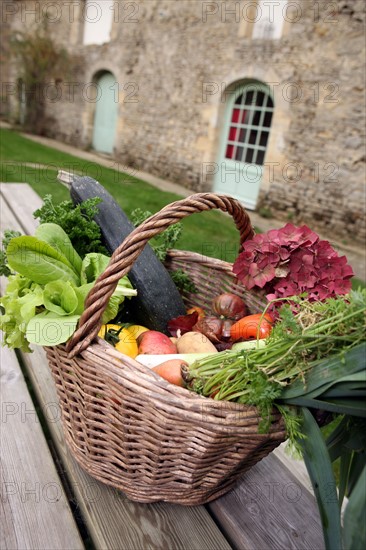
122	338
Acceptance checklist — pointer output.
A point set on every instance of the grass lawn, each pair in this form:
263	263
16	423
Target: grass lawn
212	233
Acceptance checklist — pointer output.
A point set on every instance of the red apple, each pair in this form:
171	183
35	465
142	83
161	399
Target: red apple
153	342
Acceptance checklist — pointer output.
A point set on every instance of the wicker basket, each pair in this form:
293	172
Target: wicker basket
129	428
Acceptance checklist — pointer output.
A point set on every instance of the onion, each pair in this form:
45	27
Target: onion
229	306
211	327
214	328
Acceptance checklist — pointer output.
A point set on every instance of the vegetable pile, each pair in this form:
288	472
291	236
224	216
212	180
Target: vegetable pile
45	295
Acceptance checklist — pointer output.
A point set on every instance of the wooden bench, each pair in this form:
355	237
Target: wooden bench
48	501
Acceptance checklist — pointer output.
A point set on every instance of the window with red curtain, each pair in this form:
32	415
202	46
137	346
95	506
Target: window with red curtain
250	121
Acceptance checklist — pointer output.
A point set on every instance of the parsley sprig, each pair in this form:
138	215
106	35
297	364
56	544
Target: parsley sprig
77	221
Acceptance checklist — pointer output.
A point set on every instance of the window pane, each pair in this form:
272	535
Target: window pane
269	25
98	24
260	157
267	120
256	118
239	99
232	133
242	134
239	153
264	139
244	117
249	98
260	98
229	151
252	137
235	115
249	155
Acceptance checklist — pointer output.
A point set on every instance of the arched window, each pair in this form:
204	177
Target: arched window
249	128
244	139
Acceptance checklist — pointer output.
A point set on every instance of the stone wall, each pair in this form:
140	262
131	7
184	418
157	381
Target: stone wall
325	139
173	62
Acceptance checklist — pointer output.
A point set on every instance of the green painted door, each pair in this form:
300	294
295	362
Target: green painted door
244	141
106	113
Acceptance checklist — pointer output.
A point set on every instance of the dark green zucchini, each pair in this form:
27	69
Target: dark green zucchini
158	299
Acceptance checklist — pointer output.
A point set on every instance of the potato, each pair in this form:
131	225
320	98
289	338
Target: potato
195	342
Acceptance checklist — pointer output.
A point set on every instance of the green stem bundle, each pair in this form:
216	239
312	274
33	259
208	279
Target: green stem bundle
305	333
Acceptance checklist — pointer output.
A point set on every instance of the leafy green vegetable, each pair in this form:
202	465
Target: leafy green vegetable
354	517
54	235
44	300
317	462
20	303
48	329
92	266
39	261
77	221
123	289
8	235
60	297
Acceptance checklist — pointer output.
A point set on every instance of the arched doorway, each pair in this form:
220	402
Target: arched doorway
245	133
106	114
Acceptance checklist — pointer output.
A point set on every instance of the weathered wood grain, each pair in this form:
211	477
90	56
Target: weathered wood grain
112	520
35	512
296	466
269	509
22	201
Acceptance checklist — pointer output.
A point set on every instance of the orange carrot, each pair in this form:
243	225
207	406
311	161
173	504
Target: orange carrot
171	371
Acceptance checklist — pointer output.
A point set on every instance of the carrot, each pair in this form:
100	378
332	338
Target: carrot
171	371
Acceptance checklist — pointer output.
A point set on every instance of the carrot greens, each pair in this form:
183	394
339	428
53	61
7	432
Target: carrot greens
305	334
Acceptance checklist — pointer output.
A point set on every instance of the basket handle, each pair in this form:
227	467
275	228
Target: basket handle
124	256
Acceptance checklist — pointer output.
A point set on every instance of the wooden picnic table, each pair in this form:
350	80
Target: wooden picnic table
48	501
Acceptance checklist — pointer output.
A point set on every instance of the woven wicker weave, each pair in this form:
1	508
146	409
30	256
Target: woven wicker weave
131	429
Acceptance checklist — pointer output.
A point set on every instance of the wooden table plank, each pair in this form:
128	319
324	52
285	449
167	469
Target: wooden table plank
35	513
22	201
112	520
296	466
269	509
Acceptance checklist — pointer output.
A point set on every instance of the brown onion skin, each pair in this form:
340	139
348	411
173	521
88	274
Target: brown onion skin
229	306
214	328
210	327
